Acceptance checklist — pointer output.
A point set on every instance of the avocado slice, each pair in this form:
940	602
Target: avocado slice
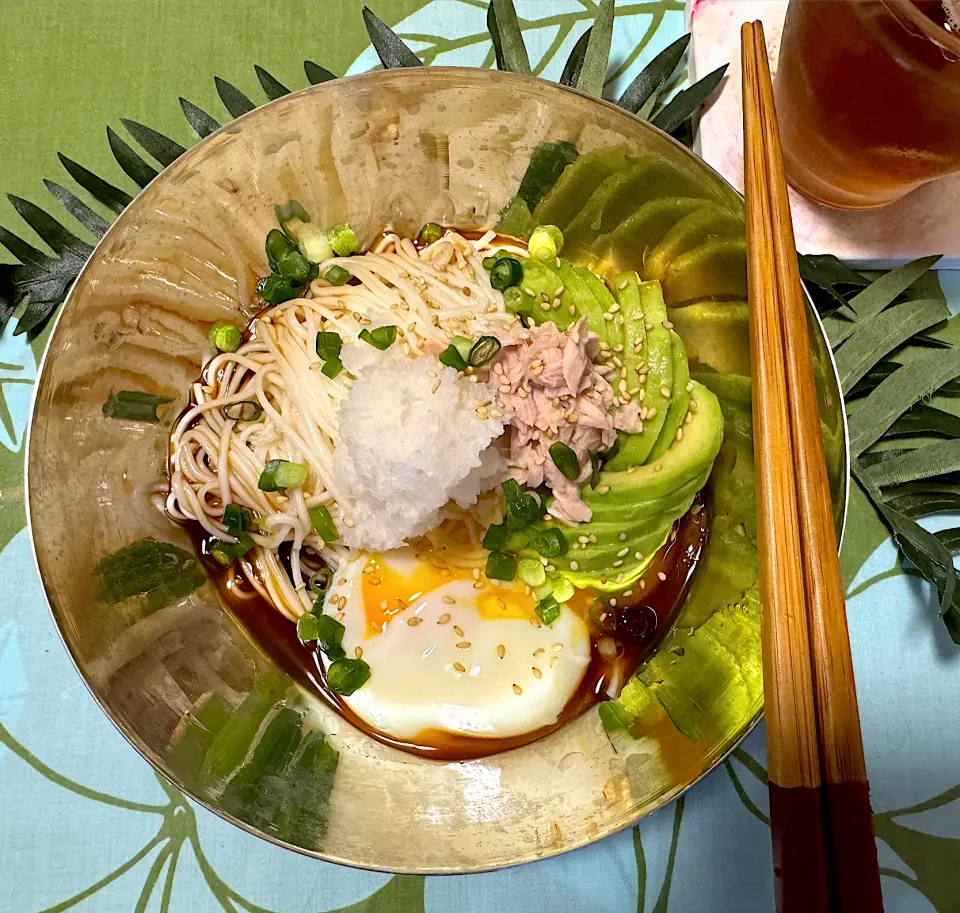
575	185
619	196
644	502
611	331
716	334
516	219
626	288
716	269
709	222
626	245
635	448
677	411
539	286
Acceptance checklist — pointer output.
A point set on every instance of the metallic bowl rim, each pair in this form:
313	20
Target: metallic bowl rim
375	77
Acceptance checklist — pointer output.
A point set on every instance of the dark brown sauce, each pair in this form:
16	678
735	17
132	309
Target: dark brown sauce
277	637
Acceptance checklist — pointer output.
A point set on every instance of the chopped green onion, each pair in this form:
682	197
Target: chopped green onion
321	580
343	240
313	243
277	289
522	507
381	338
548	610
565	459
134	405
337	275
330	636
550	543
501	566
277	247
308	627
279	475
499	255
562	589
463	344
517	301
484	350
531	572
226	553
545	242
429	233
331	367
328	345
495	537
323	524
245	411
505	273
545	589
346	675
225	336
452	358
236	519
517	540
290	212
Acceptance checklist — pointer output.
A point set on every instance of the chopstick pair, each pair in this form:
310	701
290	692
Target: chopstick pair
825	857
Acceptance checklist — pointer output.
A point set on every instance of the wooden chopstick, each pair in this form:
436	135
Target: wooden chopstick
796	813
849	859
851	850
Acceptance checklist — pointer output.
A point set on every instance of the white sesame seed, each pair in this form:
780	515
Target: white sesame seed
501	651
517	689
679	434
638	556
665	391
574	566
537	673
458	630
449	600
623	552
661	575
358	652
444	618
464	645
618	563
459	667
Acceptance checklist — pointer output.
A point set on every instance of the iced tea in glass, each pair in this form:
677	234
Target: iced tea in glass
868	97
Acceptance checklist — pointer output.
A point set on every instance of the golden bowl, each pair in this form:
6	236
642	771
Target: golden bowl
178	674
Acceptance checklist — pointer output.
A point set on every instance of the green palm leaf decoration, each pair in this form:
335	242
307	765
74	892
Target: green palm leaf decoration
38	284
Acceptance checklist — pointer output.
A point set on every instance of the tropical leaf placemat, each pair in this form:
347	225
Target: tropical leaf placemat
98	95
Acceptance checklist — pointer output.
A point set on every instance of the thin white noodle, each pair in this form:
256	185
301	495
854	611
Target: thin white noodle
430	295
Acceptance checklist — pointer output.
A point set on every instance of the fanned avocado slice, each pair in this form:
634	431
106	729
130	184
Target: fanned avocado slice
539	287
577	183
716	334
582	298
635	448
611	331
644	502
679	400
626	288
619	196
708	222
628	242
717	269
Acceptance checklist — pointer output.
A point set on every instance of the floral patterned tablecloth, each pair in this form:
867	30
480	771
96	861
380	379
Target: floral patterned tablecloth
84	822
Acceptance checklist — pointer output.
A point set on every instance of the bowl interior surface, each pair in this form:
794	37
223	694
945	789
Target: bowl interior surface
175	670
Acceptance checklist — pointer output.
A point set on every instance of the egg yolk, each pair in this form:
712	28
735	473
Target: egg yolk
389	590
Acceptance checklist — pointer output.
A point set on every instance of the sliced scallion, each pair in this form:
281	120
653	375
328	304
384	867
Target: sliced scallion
308	627
501	566
531	572
429	233
545	242
276	289
565	459
323	524
522	507
278	475
225	336
331	367
495	537
346	675
328	344
320	581
330	636
505	273
236	519
452	358
343	240
550	543
134	406
381	338
484	350
548	610
247	410
337	275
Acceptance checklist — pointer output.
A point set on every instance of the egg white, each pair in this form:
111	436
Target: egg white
414	684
